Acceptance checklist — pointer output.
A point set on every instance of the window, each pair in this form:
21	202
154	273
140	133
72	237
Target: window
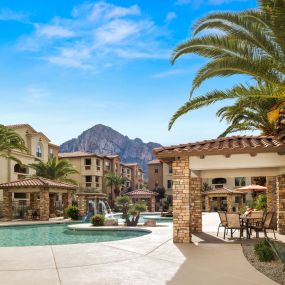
20	195
107	165
51	152
170	169
97	181
87	161
156	169
88	181
219	181
239	181
98	164
39	151
169	184
20	169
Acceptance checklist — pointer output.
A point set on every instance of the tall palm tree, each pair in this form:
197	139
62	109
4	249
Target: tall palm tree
54	169
250	42
9	141
249	113
114	181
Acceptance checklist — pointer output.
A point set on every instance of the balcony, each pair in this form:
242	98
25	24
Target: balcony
87	167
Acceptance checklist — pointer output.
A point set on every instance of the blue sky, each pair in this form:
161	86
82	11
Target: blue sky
67	65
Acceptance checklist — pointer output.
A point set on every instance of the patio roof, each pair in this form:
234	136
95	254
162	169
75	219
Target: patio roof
226	145
37	182
222	191
141	193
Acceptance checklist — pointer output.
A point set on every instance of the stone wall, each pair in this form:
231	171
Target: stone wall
44	205
196	204
281	204
7	204
271	186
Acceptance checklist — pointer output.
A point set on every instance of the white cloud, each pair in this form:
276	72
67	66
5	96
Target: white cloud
35	94
94	34
197	3
169	73
170	16
10	15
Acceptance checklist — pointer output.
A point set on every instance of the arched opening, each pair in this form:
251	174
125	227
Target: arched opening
219	181
20	169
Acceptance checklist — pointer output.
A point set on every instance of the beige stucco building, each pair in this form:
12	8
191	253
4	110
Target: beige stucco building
160	175
137	175
229	158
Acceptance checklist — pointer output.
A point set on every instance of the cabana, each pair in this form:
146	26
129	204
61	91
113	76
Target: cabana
144	195
42	195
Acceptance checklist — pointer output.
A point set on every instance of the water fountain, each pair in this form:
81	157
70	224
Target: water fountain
101	207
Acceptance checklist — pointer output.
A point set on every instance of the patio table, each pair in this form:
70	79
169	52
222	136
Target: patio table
247	221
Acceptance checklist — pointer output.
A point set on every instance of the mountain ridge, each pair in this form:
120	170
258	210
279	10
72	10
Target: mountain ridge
105	140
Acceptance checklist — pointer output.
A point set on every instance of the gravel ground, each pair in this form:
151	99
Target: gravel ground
272	270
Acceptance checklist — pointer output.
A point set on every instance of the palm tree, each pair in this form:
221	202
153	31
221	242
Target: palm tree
250	42
9	141
249	114
54	169
114	180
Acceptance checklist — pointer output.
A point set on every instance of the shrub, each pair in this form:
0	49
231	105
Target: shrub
261	202
98	220
72	212
264	251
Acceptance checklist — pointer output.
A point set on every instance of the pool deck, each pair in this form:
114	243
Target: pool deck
150	259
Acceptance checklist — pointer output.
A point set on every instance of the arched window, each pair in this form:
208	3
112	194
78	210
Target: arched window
39	151
219	181
20	169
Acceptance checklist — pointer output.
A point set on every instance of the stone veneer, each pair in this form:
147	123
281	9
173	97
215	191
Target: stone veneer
229	203
281	204
7	204
271	193
44	204
187	201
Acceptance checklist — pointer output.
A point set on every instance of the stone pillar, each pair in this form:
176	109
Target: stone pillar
186	197
66	199
229	203
152	204
271	193
218	204
207	204
7	204
44	204
196	204
281	204
82	204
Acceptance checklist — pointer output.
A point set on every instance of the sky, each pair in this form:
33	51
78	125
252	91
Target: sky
67	65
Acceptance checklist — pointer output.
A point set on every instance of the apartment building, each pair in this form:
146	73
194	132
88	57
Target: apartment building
90	169
160	175
126	171
137	175
38	145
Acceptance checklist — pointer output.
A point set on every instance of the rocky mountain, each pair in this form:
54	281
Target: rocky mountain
104	140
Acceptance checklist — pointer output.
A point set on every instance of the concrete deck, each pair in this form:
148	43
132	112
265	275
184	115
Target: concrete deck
150	259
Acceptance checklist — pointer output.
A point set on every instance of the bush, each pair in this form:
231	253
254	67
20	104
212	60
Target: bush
98	220
261	202
72	212
264	251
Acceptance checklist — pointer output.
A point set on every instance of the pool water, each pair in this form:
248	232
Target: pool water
58	234
144	217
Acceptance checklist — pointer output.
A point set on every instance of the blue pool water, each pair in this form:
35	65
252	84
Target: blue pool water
58	234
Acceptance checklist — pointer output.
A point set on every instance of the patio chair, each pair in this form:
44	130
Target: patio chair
234	223
255	217
223	221
268	223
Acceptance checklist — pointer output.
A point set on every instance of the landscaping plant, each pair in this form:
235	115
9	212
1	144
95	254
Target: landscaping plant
264	251
261	202
98	220
72	212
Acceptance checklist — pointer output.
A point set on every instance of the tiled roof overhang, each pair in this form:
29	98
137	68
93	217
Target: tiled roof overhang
223	146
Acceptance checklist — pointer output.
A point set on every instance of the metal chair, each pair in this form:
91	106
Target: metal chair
223	221
234	223
268	223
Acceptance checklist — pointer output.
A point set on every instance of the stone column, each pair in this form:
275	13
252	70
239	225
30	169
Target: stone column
7	204
181	200
196	203
207	204
66	199
218	203
82	204
44	204
229	203
281	204
152	204
271	193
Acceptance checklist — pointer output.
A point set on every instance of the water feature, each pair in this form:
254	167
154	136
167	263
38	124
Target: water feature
102	208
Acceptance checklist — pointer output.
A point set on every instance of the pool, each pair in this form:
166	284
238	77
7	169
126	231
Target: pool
56	234
143	218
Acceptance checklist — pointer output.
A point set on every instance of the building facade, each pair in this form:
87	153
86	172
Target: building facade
137	175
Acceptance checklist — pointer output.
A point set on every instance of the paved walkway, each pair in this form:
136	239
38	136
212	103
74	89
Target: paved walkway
151	259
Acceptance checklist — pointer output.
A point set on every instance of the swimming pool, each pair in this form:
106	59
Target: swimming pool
55	234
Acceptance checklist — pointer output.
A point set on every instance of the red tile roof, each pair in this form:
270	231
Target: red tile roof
226	145
77	154
35	182
141	193
154	161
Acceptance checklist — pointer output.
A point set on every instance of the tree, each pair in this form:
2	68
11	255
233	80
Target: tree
115	182
9	141
54	169
250	42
